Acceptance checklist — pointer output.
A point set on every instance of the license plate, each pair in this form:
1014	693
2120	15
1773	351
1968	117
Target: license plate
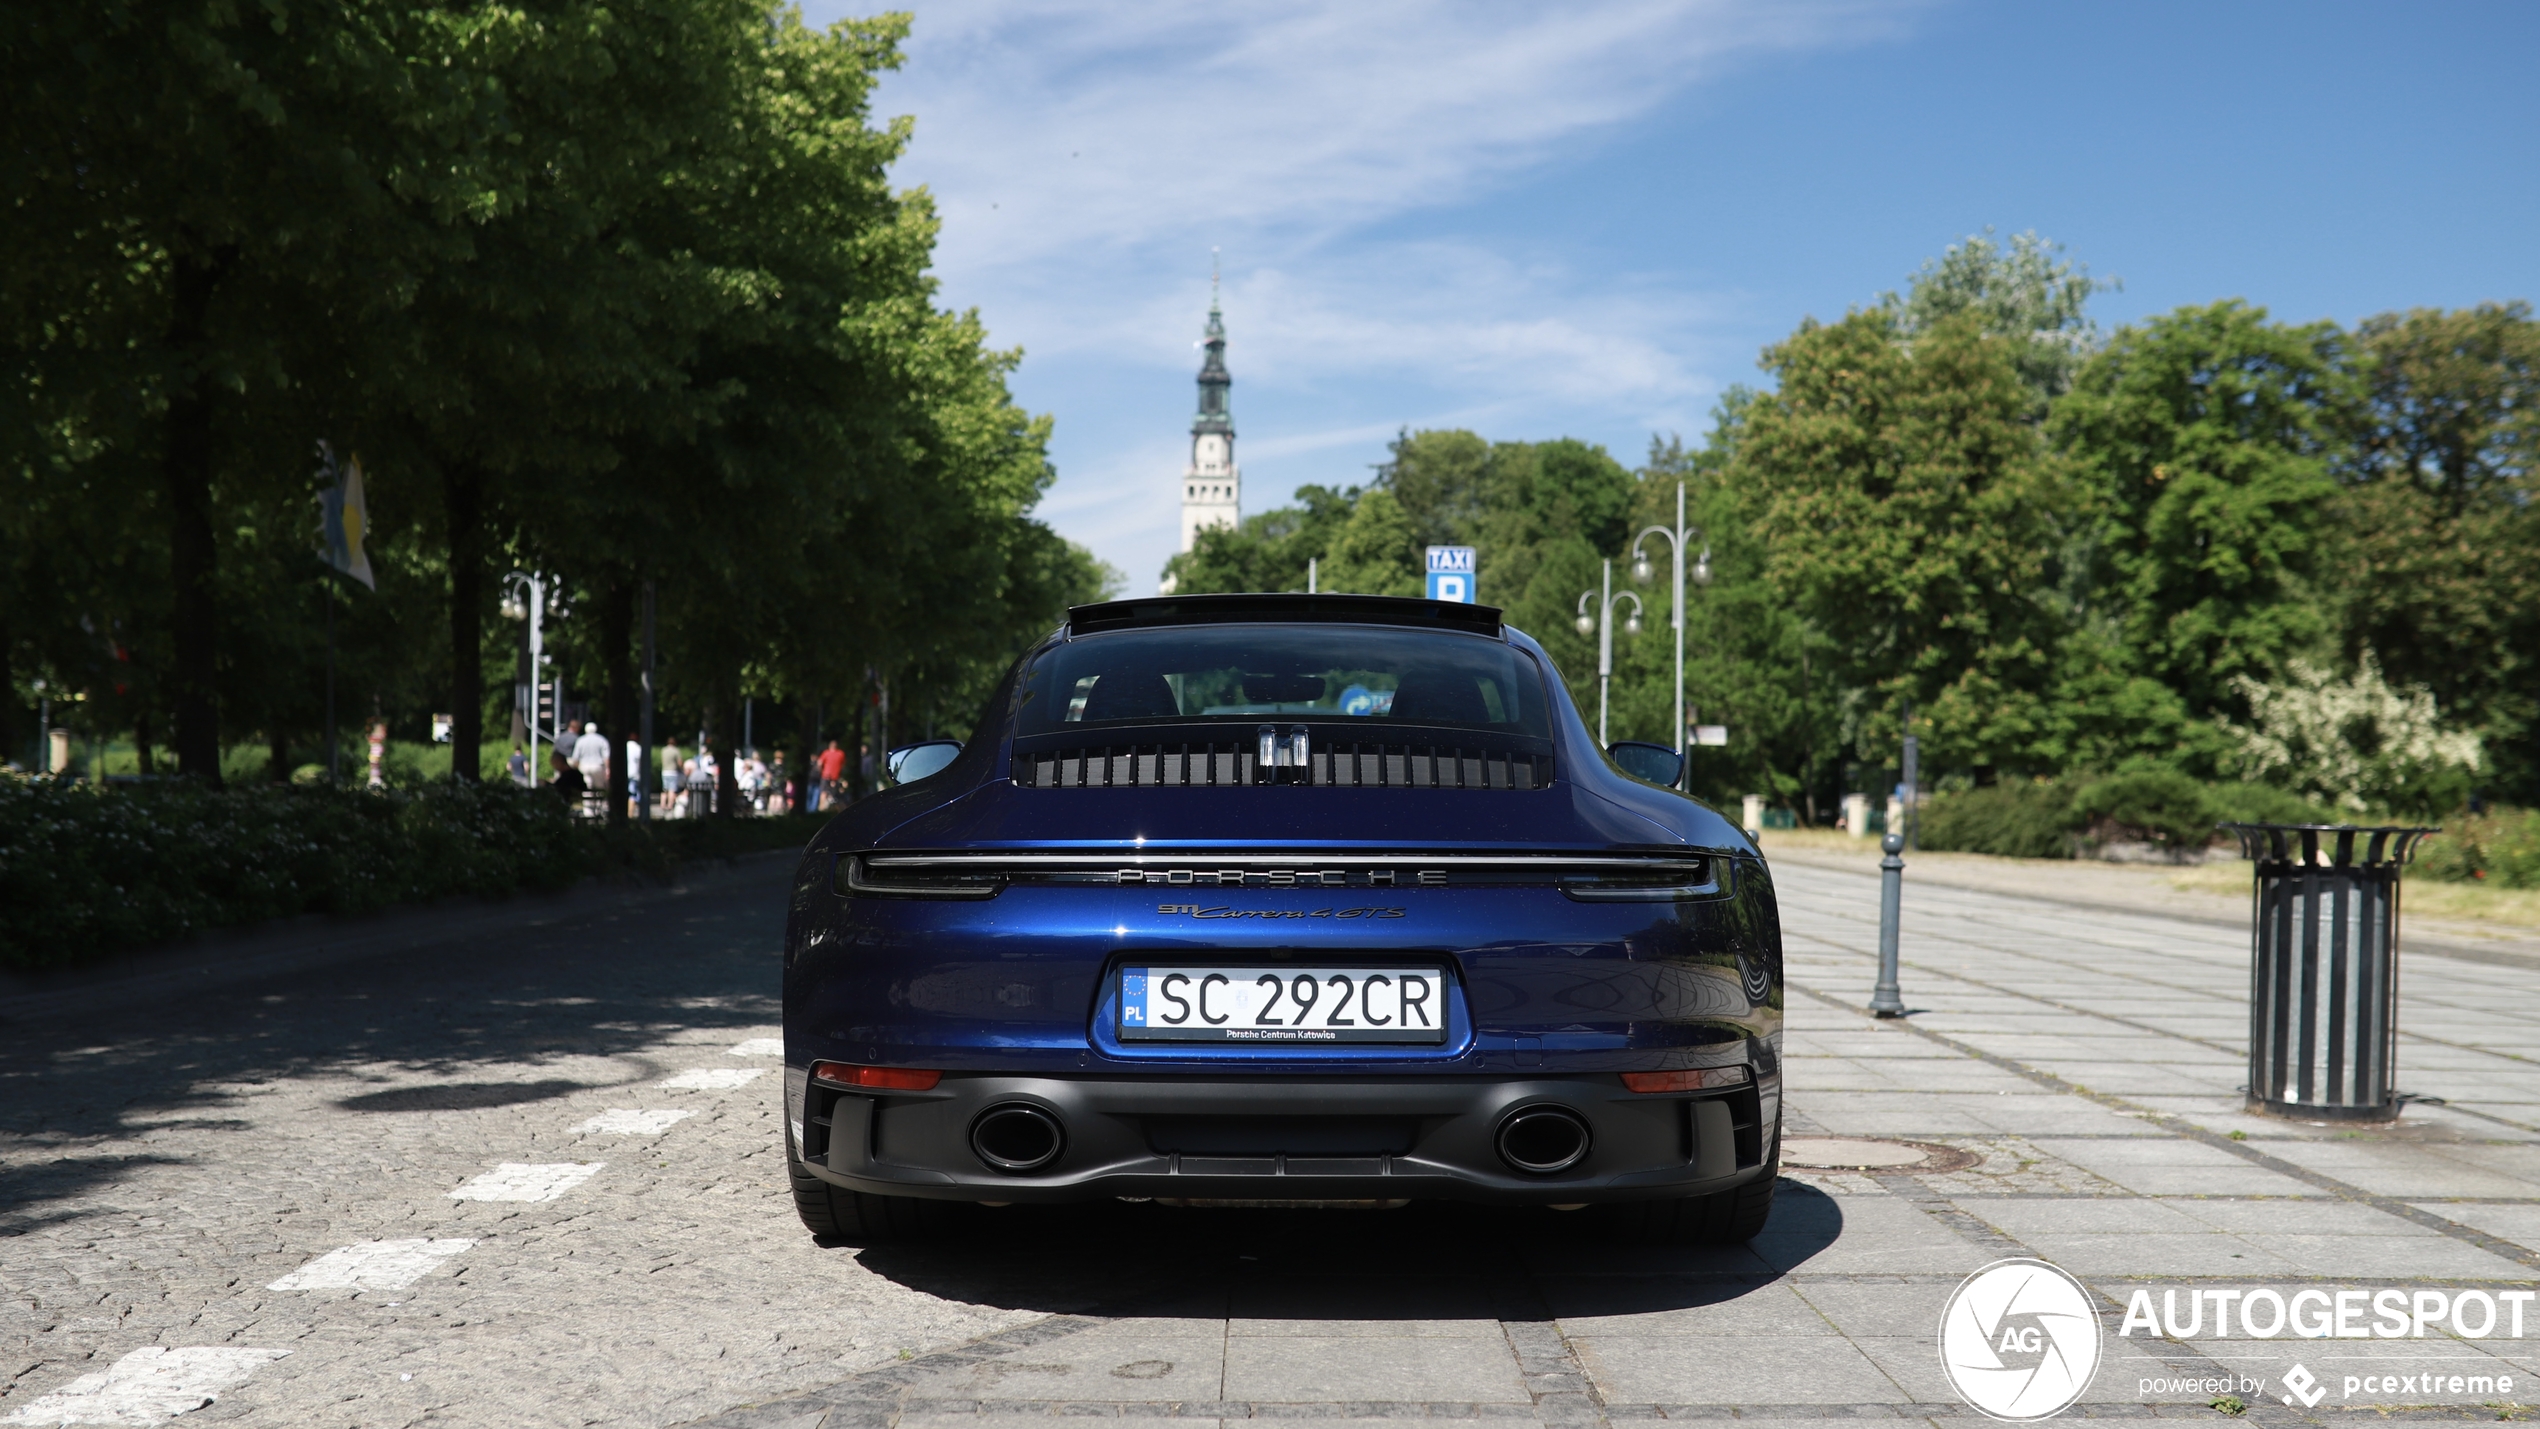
1290	1004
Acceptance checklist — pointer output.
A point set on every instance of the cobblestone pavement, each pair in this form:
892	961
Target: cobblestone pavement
533	1181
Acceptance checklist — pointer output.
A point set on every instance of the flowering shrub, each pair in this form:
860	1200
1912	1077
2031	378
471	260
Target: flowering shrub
2355	743
86	871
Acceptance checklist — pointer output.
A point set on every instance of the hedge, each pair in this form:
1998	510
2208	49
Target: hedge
2062	818
86	872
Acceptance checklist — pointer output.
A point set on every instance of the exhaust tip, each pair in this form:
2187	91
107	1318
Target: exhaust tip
1542	1140
1017	1137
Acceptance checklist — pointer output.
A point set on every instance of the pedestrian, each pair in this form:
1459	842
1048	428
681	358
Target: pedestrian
518	767
780	790
591	756
833	764
568	780
634	779
673	779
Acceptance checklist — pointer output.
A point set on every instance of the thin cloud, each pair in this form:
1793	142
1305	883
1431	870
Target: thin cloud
1086	156
1065	129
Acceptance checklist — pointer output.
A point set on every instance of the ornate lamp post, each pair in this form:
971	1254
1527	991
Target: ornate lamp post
1641	571
1602	627
525	598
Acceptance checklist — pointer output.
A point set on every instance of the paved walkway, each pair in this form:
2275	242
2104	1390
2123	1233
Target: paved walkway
456	1191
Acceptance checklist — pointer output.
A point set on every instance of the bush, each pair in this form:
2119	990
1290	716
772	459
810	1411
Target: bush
2265	804
2159	806
2501	846
2018	820
85	872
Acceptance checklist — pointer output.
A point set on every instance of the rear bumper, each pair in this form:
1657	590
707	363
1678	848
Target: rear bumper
1282	1138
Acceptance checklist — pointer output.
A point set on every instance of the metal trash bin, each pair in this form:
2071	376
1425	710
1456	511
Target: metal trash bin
2324	967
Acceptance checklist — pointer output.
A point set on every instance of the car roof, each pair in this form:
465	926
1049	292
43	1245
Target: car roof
1284	609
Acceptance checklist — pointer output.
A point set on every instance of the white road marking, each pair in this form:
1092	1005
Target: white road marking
372	1265
715	1079
631	1123
513	1181
146	1386
760	1047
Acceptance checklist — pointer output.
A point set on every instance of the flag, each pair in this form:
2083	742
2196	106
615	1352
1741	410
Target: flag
343	518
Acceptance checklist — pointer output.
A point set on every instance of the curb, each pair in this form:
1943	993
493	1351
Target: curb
317	940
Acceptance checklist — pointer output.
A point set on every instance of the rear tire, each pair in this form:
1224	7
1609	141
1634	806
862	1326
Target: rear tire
1731	1217
834	1213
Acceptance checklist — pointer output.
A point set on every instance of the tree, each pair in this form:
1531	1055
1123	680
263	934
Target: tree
186	180
1909	511
2023	291
1439	477
1376	552
1267	551
2433	537
2204	438
1752	662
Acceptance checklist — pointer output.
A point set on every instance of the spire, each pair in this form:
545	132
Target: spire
1214	413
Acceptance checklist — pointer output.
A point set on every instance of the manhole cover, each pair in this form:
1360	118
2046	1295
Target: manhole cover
1861	1153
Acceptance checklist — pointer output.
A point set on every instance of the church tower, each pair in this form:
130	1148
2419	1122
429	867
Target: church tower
1212	487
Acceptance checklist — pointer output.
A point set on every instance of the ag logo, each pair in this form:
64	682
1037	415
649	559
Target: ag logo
2020	1340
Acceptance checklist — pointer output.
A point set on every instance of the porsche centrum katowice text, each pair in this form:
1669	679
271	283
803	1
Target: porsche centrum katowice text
1303	899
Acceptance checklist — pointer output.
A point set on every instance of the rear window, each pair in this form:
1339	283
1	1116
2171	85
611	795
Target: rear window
1374	673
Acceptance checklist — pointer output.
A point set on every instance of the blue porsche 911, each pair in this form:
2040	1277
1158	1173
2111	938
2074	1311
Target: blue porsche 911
1283	900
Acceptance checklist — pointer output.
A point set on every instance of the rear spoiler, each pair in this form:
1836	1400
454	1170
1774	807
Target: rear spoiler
1269	608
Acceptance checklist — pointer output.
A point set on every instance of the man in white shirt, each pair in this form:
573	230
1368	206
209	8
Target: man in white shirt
591	756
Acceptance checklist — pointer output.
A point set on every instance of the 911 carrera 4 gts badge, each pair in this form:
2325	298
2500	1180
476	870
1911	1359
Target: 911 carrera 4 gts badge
1194	910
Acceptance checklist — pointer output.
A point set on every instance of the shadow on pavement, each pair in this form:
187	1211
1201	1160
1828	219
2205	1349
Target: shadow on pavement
610	985
1426	1261
460	1096
25	1188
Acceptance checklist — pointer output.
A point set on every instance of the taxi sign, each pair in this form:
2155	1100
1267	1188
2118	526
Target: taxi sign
1451	573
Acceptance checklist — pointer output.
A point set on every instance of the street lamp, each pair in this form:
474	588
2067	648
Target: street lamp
525	598
1641	571
1602	627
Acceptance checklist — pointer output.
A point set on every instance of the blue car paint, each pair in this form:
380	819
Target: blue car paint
1541	985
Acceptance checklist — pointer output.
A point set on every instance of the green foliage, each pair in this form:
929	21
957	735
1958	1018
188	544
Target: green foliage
2500	846
2264	804
619	292
1375	552
85	872
1910	512
2160	806
1269	550
2204	438
2436	536
2022	291
2018	819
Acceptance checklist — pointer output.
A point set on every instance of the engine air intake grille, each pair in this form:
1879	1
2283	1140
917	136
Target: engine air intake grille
1208	765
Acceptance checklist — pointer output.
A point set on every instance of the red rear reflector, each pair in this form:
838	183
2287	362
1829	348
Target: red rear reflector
896	1079
1691	1079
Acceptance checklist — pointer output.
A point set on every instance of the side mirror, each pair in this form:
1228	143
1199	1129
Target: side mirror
1651	763
912	762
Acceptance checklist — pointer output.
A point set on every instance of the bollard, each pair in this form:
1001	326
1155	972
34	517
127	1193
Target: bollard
1884	1000
2324	967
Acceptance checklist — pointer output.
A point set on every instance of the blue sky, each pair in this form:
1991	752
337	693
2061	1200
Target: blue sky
1587	220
